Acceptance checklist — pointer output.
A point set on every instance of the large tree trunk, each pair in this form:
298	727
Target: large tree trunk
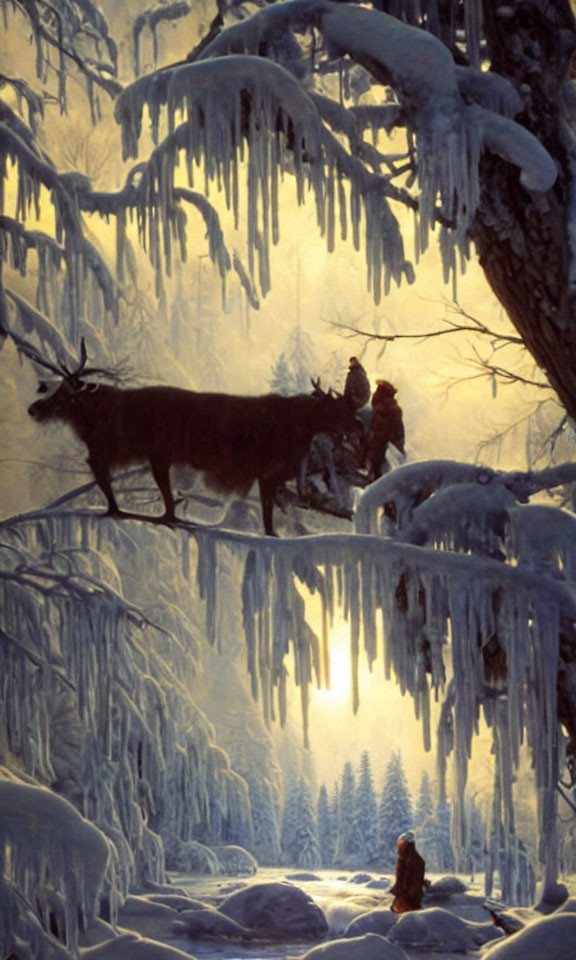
521	237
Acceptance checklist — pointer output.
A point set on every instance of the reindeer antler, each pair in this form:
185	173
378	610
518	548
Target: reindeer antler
60	368
317	391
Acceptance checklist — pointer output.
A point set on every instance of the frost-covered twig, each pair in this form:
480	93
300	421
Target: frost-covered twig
34	102
164	10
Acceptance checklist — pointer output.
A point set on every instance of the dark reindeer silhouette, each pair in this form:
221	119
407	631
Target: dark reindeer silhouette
232	440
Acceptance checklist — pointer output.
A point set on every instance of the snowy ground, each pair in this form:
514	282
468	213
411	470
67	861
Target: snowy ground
328	892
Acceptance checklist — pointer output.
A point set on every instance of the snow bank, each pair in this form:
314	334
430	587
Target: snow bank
47	847
369	947
550	937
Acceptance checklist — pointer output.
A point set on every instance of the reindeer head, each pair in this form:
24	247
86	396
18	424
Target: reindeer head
338	414
59	397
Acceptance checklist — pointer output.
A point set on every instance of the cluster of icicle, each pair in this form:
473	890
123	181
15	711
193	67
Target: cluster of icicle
241	109
465	566
100	734
73	280
501	565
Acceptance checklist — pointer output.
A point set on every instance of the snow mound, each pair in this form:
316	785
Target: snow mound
553	936
369	947
381	920
130	947
446	887
438	929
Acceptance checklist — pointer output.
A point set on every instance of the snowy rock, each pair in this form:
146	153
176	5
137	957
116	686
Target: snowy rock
303	877
438	929
176	901
189	856
381	920
552	936
149	919
47	840
209	922
446	887
341	915
280	910
360	878
469	906
369	947
235	861
130	947
98	932
381	884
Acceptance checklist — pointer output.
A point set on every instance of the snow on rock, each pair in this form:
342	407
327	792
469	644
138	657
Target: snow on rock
437	929
208	922
446	887
552	936
100	709
380	920
21	929
128	946
45	844
368	947
190	856
342	913
235	861
279	910
148	919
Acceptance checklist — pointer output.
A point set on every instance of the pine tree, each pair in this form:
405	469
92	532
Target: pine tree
395	810
300	845
281	380
301	359
434	841
444	816
365	815
326	833
345	851
266	842
307	848
425	803
289	823
475	851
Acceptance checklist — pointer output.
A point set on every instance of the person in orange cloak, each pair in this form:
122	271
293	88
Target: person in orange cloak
409	883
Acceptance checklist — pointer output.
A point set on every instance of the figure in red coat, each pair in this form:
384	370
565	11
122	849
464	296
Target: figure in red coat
386	427
409	884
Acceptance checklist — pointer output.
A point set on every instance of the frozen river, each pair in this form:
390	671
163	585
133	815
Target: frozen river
333	893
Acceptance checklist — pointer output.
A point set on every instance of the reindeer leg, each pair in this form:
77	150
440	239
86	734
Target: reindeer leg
267	491
161	473
101	473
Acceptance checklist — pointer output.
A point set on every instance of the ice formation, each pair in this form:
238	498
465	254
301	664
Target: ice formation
101	708
250	118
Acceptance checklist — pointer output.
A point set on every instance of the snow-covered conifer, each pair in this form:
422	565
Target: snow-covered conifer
301	358
365	815
281	379
394	810
345	847
300	847
266	843
434	841
425	802
326	834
